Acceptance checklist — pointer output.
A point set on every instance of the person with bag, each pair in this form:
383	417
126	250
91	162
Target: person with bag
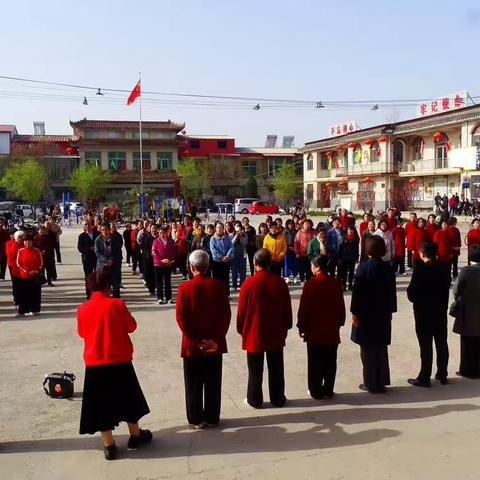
320	330
111	391
203	340
31	278
466	311
428	291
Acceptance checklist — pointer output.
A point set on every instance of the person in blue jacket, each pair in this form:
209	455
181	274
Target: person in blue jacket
222	253
335	238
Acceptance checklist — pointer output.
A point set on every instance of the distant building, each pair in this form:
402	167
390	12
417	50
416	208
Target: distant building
7	132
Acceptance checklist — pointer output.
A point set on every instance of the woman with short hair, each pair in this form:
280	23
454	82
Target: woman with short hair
111	392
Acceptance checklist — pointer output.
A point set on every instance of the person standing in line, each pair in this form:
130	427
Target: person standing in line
428	291
47	248
473	235
302	240
410	228
127	242
251	247
222	253
431	227
335	236
163	254
148	238
264	317
12	248
443	241
384	233
420	236
364	224
374	300
456	240
290	262
182	247
398	234
118	240
350	252
57	230
135	248
467	315
109	256
203	341
369	232
318	246
276	244
262	232
111	392
320	331
30	265
239	258
4	238
86	247
390	219
343	219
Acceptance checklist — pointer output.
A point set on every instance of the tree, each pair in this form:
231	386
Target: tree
26	179
191	177
251	187
88	182
285	183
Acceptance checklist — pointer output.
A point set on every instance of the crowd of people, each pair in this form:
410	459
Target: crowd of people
330	258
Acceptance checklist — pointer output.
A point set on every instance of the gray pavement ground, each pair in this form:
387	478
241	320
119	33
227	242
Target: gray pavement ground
408	433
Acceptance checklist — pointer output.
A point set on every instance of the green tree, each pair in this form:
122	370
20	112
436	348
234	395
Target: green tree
26	179
88	182
191	177
251	187
285	183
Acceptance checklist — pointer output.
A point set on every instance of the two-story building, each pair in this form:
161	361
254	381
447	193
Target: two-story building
403	164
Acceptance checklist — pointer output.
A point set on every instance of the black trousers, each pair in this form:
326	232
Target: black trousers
276	378
250	255
322	369
470	356
181	263
221	271
149	274
115	271
163	282
3	265
347	273
304	269
276	268
455	266
129	254
15	287
376	370
135	261
334	267
57	251
49	265
399	264
203	388
425	337
29	296
409	259
89	266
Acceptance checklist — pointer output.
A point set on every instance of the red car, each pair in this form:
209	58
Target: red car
263	207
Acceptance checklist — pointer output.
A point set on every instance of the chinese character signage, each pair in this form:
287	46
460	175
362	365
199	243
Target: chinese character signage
342	128
443	104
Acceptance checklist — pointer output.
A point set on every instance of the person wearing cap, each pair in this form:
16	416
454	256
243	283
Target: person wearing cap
428	291
12	247
276	244
467	314
163	254
264	316
203	340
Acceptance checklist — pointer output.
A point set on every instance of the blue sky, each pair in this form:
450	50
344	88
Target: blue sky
302	49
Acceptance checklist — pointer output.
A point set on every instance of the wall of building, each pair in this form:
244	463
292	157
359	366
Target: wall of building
4	143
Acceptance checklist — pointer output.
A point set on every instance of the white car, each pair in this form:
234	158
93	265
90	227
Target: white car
242	204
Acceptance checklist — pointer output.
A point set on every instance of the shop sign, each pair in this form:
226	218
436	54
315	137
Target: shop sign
443	104
342	128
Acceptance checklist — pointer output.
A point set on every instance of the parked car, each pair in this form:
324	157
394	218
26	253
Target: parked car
27	210
242	204
263	207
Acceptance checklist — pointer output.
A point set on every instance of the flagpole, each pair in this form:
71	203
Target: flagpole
142	195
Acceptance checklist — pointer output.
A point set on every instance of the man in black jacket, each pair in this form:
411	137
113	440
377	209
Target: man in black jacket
428	291
146	246
86	246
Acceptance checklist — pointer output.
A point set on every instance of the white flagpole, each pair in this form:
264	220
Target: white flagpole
142	197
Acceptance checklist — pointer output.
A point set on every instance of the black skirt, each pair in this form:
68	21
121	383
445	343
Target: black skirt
111	394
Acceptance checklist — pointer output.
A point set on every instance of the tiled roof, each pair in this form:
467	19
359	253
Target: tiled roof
268	152
7	128
44	138
127	125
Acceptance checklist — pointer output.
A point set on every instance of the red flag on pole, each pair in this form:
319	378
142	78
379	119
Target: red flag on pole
134	93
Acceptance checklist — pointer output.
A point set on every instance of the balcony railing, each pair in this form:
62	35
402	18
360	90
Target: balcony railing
430	164
324	173
370	168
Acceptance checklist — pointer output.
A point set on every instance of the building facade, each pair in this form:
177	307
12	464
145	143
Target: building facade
403	164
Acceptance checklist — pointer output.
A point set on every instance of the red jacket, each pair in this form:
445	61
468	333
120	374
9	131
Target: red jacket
302	239
203	313
12	248
104	324
29	259
419	236
344	221
443	240
431	228
391	222
163	251
456	240
264	313
321	326
410	228
133	240
473	237
362	227
180	242
399	241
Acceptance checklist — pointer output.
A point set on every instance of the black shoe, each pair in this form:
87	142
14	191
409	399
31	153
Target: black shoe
363	387
110	452
442	380
417	383
144	437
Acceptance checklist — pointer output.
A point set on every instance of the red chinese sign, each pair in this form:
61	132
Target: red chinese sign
444	104
342	128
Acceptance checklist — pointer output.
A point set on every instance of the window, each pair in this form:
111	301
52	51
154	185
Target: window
298	164
374	153
117	161
357	155
440	155
310	162
93	158
145	163
115	134
417	149
273	165
222	144
145	134
249	168
194	143
323	161
476	138
164	160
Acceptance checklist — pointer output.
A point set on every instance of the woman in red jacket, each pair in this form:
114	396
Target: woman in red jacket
410	228
111	392
321	331
473	235
456	244
11	248
398	233
419	236
30	265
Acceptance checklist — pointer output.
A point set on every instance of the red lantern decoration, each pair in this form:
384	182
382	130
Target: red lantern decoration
437	136
369	142
328	154
328	186
339	148
352	145
383	139
412	181
342	184
367	180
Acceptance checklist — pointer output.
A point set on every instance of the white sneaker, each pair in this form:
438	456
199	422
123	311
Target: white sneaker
200	426
287	280
296	280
